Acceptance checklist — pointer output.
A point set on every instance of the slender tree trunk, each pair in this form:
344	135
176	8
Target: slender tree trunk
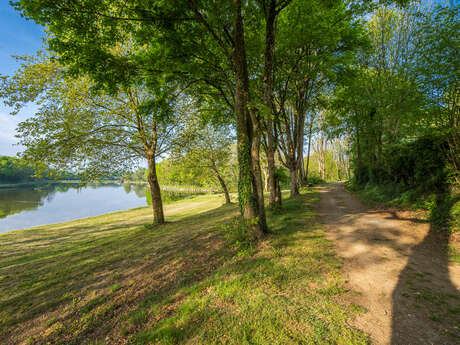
157	204
271	169
301	169
278	192
265	171
278	195
320	152
358	157
294	187
323	164
308	150
274	199
223	186
299	142
340	163
379	154
247	187
257	171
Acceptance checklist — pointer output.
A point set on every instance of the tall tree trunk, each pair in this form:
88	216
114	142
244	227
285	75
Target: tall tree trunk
274	199
319	152
278	192
340	164
278	195
155	192
299	144
247	185
257	171
358	157
379	154
301	169
308	150
265	171
223	186
294	187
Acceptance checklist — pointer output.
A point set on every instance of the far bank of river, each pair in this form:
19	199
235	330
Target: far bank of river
51	182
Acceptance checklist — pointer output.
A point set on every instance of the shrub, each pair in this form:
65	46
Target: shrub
315	179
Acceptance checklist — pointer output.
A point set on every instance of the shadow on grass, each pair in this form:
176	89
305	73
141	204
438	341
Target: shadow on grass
93	276
284	292
181	282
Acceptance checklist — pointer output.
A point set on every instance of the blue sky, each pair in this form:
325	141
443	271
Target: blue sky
17	37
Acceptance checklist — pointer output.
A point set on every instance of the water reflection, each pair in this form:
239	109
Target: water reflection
31	206
19	199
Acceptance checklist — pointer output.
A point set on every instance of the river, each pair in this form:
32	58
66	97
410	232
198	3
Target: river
24	207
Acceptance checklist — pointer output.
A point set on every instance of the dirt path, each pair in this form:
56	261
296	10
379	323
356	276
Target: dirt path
398	266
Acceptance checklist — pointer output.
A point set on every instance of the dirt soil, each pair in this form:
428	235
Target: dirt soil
397	265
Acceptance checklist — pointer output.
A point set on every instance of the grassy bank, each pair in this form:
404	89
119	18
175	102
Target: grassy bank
180	188
111	280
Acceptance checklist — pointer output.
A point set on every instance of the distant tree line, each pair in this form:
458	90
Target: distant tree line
16	170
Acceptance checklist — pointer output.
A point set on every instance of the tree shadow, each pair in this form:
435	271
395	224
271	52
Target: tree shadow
426	304
90	280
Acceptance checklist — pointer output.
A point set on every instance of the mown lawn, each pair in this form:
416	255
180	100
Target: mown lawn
111	280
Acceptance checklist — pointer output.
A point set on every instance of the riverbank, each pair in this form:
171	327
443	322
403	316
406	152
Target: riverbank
50	182
110	279
176	188
25	207
168	188
23	184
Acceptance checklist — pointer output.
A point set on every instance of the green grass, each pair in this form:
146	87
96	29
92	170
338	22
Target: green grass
107	278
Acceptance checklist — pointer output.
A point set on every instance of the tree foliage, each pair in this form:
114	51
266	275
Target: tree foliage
92	132
15	170
398	102
355	81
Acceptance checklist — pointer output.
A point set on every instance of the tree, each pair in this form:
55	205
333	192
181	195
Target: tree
206	147
84	34
387	105
316	40
94	133
271	9
212	43
439	76
15	170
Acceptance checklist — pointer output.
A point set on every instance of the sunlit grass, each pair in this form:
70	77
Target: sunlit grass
107	278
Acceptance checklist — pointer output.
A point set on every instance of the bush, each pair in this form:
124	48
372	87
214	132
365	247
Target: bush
455	216
282	174
420	164
315	179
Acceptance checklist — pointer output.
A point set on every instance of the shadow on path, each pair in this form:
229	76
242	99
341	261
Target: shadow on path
426	304
399	268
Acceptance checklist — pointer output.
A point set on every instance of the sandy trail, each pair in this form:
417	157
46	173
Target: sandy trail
398	266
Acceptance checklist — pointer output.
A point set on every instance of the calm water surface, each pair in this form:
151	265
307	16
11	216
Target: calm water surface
26	207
